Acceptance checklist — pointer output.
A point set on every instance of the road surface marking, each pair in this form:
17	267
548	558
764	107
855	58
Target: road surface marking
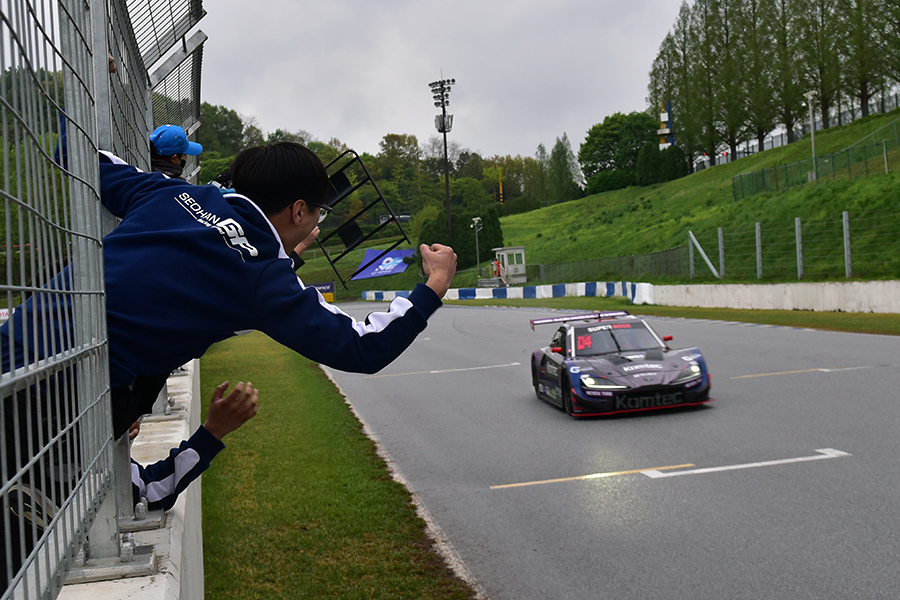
823	454
592	476
821	370
515	364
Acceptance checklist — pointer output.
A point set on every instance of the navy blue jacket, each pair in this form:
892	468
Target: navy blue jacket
188	267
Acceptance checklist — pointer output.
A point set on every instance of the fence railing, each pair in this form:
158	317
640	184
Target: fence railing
863	246
881	104
60	101
666	263
876	154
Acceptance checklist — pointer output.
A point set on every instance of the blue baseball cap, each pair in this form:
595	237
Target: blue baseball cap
171	139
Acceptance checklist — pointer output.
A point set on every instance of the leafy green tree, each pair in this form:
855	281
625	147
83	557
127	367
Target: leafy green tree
862	56
538	176
463	241
252	135
732	84
213	165
469	164
759	72
605	181
399	156
685	113
649	164
469	194
221	130
891	38
789	83
491	235
673	164
614	145
705	74
819	29
564	176
300	136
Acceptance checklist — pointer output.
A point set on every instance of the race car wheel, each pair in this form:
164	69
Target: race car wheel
567	397
535	382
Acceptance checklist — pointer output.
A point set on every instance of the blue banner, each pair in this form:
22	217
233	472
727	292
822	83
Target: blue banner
389	264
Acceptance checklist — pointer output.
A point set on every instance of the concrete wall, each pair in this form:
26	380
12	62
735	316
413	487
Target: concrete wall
851	296
179	543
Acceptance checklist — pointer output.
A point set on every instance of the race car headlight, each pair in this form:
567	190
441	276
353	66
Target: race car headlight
688	373
599	383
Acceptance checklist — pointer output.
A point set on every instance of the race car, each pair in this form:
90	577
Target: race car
613	362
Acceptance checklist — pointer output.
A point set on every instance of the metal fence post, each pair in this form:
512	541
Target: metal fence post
758	252
721	253
884	143
691	255
799	248
845	217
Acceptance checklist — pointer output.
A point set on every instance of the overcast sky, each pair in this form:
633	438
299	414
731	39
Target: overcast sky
526	71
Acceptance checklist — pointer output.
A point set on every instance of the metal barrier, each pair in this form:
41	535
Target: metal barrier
861	247
877	153
60	101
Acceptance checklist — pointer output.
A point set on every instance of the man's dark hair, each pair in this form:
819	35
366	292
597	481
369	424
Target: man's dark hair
276	175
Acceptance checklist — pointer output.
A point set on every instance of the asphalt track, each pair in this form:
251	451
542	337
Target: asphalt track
786	486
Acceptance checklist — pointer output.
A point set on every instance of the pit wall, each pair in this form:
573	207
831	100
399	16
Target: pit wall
854	296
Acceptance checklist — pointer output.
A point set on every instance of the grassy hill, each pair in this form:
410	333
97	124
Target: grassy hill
641	220
648	219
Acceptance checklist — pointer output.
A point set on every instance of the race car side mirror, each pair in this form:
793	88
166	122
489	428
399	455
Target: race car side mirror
667	338
556	349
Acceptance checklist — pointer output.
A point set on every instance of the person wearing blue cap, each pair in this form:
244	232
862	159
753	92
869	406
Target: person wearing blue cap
169	149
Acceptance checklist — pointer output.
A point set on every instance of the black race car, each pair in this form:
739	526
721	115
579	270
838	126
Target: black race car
612	362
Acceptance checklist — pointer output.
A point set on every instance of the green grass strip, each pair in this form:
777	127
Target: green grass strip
299	505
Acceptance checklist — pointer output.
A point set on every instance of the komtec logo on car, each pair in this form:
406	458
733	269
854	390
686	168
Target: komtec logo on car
657	400
644	366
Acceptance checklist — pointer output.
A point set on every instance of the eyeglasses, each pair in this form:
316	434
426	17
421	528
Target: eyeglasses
323	212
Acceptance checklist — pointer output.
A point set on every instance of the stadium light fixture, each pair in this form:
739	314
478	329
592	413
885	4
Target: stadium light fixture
443	122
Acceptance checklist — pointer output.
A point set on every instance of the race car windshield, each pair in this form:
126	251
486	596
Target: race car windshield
613	337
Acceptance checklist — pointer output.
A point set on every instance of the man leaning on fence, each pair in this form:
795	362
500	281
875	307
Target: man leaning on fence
188	267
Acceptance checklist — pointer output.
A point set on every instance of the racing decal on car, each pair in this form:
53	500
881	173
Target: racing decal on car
645	366
657	400
552	392
583	342
598	393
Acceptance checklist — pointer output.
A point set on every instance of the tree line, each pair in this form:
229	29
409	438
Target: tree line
736	70
411	177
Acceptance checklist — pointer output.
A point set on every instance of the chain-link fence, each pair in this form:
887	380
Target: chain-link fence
863	246
73	79
673	262
877	153
859	246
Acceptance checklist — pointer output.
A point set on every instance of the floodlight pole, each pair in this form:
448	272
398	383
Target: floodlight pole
443	122
812	128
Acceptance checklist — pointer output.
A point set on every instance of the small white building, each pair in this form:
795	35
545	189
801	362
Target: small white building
510	262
